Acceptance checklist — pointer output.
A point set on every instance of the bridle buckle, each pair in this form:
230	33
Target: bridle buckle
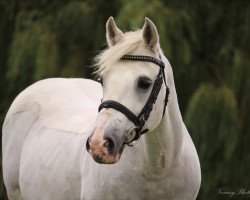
137	135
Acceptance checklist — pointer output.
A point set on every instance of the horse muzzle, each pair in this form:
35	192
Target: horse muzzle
106	149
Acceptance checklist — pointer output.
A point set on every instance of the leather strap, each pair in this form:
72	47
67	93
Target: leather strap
117	106
144	59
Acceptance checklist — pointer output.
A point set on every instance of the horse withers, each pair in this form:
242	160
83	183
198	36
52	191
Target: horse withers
72	138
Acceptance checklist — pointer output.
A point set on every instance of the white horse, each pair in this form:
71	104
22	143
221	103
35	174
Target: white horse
50	124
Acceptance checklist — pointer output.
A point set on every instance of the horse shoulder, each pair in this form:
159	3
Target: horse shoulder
61	103
65	105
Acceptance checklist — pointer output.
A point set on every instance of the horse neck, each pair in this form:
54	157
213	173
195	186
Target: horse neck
161	147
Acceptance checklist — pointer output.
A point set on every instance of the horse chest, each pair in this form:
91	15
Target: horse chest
124	180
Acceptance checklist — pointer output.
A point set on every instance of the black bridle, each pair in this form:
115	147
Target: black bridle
141	119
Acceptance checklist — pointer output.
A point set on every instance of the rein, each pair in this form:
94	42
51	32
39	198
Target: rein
140	120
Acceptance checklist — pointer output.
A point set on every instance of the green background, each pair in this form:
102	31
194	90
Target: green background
206	42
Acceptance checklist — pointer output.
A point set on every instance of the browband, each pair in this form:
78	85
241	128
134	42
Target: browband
144	59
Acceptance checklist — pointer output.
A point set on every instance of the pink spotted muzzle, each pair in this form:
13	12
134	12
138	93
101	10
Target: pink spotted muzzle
105	148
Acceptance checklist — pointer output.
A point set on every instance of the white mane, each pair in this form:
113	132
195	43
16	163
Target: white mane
114	53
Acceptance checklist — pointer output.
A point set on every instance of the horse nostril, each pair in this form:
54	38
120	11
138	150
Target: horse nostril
87	144
110	145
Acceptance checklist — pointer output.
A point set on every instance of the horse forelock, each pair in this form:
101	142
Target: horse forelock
114	53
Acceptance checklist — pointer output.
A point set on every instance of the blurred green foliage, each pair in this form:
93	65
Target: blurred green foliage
207	43
214	111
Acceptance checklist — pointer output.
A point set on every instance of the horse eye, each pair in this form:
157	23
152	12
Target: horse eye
100	80
144	82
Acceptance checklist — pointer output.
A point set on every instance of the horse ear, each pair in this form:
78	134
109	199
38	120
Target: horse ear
113	34
150	34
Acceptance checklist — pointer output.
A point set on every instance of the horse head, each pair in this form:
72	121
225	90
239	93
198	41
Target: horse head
133	100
